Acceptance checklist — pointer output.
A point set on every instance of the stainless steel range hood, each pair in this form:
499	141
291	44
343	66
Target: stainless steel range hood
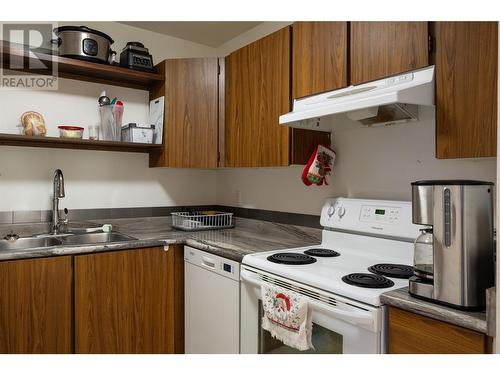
384	102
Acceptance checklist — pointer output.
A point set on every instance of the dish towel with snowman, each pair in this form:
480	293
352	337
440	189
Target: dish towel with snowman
286	317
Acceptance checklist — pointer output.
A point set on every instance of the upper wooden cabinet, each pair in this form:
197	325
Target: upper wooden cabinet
257	92
36	299
191	114
124	301
381	49
410	333
319	57
466	58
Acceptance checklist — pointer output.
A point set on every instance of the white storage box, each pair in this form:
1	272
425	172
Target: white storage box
137	133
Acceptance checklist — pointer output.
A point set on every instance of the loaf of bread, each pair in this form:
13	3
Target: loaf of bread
33	123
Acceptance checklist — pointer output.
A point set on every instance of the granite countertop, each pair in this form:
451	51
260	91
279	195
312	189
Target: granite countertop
402	299
247	237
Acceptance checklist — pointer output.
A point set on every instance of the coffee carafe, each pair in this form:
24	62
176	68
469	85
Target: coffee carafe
454	255
423	263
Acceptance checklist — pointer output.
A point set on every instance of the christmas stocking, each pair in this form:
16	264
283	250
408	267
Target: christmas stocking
320	165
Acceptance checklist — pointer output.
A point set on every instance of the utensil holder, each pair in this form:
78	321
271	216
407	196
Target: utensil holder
108	126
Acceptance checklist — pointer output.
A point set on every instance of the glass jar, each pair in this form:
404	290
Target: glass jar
423	254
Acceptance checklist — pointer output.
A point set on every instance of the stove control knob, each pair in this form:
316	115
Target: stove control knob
341	212
331	210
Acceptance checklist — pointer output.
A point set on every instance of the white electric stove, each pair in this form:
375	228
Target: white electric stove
366	250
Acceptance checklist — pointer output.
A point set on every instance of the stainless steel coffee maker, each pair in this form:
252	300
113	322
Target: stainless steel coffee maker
459	216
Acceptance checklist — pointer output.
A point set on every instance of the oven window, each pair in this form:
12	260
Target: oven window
324	341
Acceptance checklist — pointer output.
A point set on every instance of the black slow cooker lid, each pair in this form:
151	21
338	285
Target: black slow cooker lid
450	182
86	29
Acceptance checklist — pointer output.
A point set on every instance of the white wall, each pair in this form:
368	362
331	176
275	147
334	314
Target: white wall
74	103
95	179
377	163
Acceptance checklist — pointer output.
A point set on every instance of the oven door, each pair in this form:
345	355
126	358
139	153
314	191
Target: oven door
340	326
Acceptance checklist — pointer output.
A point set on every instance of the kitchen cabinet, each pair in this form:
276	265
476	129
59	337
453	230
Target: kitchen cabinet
129	301
257	92
191	113
466	58
410	333
319	57
36	305
381	49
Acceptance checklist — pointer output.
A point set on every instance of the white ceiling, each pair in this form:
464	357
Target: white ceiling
213	33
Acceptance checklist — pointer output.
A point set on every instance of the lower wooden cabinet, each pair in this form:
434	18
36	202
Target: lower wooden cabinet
36	306
124	302
411	333
128	301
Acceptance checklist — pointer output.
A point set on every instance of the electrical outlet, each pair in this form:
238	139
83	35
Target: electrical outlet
238	197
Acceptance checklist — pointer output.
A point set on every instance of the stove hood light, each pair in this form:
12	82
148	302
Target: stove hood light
385	115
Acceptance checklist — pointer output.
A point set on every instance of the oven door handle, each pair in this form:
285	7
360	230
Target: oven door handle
362	318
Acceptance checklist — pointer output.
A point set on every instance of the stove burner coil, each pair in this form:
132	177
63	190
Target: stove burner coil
367	280
398	271
319	252
291	258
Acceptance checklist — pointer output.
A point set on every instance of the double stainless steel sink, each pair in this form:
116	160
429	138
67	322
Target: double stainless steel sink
68	239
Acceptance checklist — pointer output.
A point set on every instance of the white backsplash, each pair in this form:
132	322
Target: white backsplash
97	179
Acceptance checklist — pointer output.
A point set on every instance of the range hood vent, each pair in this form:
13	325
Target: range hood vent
384	102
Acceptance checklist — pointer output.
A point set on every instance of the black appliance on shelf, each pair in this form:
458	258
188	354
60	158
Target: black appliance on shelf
135	56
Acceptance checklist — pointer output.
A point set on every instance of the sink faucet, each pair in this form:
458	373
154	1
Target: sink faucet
57	222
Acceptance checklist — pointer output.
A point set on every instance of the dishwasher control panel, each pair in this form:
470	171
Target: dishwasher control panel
211	262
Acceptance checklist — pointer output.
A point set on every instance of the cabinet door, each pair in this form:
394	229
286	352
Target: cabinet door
415	334
190	119
36	306
466	89
257	93
124	302
319	57
381	49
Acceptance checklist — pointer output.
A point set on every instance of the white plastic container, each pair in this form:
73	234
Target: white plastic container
137	133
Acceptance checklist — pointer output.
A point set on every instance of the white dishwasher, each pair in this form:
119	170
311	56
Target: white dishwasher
211	303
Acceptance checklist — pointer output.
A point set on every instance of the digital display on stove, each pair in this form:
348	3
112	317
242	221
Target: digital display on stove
379	211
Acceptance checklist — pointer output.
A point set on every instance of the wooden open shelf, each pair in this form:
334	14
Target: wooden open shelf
81	144
81	70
